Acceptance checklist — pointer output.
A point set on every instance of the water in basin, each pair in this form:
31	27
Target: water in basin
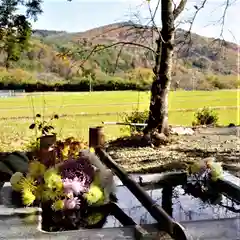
185	207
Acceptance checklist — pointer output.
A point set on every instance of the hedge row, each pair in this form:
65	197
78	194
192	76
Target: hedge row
80	86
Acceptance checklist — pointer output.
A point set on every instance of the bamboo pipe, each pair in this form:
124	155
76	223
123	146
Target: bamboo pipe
228	188
165	222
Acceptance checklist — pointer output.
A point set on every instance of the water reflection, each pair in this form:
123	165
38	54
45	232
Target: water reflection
185	207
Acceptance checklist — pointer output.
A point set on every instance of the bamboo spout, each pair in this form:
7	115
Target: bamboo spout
165	222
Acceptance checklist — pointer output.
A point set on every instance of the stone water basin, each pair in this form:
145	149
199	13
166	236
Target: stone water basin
199	219
185	207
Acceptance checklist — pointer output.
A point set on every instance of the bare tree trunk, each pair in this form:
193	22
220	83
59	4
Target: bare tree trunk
7	62
158	115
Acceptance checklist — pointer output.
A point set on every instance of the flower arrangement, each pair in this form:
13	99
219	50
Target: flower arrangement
206	169
74	183
201	175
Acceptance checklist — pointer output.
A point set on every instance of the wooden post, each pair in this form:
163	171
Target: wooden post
96	137
167	193
47	141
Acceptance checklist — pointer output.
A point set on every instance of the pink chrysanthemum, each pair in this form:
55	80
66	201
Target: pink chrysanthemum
72	203
80	169
75	186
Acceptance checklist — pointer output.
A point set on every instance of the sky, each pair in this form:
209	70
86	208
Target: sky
81	15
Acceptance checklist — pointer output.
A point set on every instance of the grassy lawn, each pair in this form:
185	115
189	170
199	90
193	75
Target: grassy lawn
14	132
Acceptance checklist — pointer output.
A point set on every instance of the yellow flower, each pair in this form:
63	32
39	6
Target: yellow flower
196	167
65	152
53	180
92	150
49	194
28	197
95	195
58	205
36	169
28	183
16	181
216	171
94	218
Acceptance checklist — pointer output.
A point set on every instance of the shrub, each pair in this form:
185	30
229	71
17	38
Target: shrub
33	145
205	116
135	117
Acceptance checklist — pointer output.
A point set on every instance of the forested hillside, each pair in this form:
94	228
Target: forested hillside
59	57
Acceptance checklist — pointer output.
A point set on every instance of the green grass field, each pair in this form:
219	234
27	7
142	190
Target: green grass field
14	132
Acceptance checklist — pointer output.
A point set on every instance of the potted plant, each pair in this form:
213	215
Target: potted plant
44	131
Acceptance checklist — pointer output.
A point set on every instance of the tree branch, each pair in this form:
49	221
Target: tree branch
99	48
187	36
224	17
198	9
153	14
179	8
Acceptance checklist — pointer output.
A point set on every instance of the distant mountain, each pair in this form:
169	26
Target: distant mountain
46	33
205	60
204	53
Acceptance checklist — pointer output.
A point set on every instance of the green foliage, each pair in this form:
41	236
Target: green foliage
43	127
15	39
15	30
223	82
135	117
88	73
9	82
205	116
33	145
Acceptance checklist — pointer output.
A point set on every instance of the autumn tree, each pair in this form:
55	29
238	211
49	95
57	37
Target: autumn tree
169	10
158	110
15	29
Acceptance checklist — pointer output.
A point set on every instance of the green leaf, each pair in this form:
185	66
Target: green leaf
32	126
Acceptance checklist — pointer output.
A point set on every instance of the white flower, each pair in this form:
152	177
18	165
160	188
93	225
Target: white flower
16	181
216	171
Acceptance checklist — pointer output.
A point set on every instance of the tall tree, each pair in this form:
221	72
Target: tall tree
170	10
15	29
158	110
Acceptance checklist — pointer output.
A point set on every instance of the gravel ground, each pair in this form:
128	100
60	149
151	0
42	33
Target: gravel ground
221	143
